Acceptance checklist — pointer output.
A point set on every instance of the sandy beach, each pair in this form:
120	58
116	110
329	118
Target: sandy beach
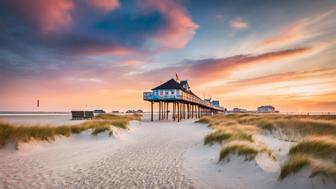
148	155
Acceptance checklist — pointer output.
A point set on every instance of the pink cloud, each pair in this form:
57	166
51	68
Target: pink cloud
47	16
106	5
239	24
180	28
52	15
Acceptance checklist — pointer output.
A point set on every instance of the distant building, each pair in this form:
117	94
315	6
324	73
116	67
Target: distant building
266	109
216	103
99	112
115	112
76	115
239	110
139	111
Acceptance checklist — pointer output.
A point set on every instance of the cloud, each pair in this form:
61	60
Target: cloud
221	66
292	33
238	24
179	29
297	31
206	71
45	16
92	27
316	75
106	5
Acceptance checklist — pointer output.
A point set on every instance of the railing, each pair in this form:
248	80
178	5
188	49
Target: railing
181	96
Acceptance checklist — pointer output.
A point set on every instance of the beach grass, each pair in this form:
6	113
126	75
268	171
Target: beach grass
12	133
227	134
316	166
319	147
314	135
244	148
240	149
316	153
300	125
293	165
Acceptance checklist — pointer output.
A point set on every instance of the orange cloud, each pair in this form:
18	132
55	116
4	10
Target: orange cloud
297	31
280	77
292	33
238	24
106	5
220	67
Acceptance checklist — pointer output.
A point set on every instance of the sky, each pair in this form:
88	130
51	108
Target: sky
90	54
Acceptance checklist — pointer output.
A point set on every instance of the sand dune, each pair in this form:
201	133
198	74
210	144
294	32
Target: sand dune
149	155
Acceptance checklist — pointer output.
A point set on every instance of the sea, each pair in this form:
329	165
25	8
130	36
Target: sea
38	118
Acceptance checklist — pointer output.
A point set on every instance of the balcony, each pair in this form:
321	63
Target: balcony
152	96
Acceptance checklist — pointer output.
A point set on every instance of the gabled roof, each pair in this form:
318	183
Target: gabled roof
171	84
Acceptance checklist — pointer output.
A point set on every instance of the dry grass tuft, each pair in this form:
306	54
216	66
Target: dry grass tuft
11	133
299	161
228	134
317	153
293	165
319	147
243	148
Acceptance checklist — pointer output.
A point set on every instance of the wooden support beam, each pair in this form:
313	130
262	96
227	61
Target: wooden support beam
159	110
152	103
173	111
167	110
184	111
164	110
178	111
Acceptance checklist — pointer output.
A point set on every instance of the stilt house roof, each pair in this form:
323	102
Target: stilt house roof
173	84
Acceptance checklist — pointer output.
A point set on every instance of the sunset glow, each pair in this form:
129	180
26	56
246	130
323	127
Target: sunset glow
104	54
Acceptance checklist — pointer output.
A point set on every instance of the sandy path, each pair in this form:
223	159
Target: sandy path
149	156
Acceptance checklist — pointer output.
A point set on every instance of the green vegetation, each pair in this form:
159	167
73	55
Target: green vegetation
102	129
11	133
317	153
301	125
241	149
321	147
317	167
227	134
293	165
315	136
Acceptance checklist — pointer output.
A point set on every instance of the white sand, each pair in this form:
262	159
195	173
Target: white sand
149	155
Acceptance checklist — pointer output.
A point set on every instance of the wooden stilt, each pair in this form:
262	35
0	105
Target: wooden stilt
152	111
173	115
188	111
159	110
167	111
183	110
178	111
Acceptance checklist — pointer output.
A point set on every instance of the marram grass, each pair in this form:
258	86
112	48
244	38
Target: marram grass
12	133
316	153
243	148
316	166
227	135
